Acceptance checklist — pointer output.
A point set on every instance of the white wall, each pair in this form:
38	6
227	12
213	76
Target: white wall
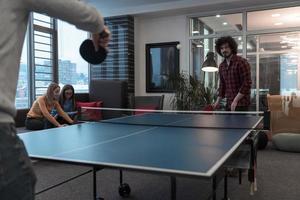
156	30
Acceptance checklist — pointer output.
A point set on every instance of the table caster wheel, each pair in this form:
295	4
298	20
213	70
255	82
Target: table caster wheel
124	190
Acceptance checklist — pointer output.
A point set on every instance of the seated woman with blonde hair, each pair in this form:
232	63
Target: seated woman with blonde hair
39	116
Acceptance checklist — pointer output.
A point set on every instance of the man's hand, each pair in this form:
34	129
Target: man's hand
238	97
216	105
101	39
233	105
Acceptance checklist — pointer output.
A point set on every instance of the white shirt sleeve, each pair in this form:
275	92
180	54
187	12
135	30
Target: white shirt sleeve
76	12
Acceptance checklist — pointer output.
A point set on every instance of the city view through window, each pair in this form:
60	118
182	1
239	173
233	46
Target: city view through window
22	93
72	69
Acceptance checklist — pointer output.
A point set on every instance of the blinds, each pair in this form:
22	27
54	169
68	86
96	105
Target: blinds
44	62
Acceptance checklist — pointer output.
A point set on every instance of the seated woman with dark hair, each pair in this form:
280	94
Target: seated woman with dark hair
39	116
67	101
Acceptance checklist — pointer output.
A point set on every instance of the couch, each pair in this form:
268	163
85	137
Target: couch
285	114
285	126
113	94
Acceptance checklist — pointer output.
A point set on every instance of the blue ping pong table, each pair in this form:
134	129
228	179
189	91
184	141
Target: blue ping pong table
172	144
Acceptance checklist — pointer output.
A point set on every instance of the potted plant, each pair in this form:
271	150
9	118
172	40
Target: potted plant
190	94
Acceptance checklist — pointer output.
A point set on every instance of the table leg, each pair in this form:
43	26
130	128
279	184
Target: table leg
173	187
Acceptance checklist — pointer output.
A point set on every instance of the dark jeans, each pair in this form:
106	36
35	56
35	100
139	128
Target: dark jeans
17	178
37	124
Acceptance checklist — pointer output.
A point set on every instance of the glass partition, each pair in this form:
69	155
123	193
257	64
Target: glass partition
231	23
273	19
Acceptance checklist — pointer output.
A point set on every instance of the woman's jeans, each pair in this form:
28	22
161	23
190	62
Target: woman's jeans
37	124
17	178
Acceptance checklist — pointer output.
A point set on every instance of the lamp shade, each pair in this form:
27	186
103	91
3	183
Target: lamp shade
210	64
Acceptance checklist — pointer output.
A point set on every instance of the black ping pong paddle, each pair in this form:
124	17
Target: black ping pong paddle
88	53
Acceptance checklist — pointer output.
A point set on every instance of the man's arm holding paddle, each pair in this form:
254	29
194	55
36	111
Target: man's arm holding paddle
78	13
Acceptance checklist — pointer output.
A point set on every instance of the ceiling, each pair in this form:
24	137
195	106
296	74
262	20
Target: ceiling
144	7
289	17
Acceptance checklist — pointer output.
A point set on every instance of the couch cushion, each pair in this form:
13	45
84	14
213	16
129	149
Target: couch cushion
141	101
21	117
83	97
113	93
147	107
89	114
287	142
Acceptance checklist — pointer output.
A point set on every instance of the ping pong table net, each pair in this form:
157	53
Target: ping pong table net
187	119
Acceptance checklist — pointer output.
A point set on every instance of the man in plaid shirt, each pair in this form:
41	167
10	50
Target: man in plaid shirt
235	76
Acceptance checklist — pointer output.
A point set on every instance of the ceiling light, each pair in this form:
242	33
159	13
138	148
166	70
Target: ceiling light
199	45
276	15
249	47
294	61
225	23
296	47
278	23
292	16
218	16
283	47
240	38
195	32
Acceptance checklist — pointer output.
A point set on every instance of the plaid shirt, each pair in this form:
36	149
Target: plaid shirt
234	79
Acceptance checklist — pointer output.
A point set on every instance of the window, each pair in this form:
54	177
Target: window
43	52
162	64
205	31
271	48
199	50
72	69
22	93
273	19
278	60
229	24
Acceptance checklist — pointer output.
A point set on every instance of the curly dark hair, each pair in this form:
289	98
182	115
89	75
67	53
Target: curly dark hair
223	40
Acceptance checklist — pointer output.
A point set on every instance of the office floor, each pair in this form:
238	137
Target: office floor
278	178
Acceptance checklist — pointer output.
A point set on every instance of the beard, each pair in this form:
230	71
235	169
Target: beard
226	54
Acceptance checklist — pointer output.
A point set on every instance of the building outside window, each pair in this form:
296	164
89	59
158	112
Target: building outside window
72	69
22	93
